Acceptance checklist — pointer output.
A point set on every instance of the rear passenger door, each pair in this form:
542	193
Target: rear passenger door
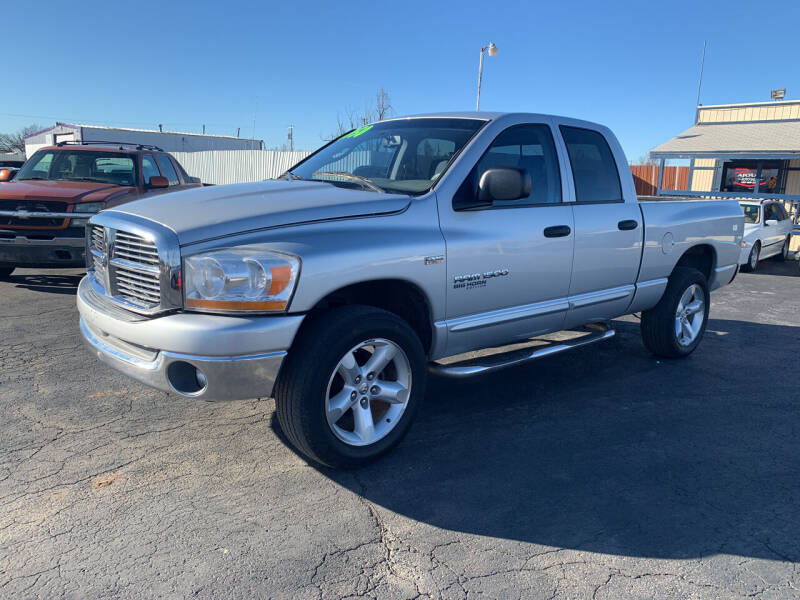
608	231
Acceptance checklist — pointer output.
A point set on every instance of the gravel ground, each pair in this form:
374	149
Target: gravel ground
602	473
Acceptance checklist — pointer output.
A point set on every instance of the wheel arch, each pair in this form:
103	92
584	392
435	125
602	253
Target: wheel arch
702	257
398	296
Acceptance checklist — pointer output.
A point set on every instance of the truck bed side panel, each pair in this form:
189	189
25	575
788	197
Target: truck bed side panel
672	228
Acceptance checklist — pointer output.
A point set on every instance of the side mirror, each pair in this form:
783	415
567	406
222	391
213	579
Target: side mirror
503	184
771	222
5	174
158	181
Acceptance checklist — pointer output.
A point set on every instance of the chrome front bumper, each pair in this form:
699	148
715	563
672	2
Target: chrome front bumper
169	352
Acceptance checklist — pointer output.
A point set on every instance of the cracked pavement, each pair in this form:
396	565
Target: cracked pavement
603	473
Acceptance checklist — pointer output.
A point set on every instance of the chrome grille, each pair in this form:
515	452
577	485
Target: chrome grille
135	249
98	248
127	266
136	276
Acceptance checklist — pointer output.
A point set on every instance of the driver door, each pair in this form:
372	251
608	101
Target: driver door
508	264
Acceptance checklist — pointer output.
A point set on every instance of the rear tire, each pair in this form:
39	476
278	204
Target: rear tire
6	271
675	326
323	405
752	259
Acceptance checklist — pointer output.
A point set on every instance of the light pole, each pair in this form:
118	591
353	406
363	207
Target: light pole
492	52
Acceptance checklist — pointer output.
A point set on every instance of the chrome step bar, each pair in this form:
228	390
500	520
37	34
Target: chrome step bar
595	332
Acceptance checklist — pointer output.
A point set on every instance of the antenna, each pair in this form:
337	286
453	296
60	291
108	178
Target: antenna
700	84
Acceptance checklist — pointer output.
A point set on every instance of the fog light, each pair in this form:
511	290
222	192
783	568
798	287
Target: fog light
186	379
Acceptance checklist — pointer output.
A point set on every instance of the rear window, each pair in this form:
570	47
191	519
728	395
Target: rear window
593	166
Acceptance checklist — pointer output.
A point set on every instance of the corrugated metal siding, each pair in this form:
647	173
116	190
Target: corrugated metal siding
757	112
793	178
237	166
703	179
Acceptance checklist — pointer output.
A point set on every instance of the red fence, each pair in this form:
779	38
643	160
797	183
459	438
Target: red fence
645	177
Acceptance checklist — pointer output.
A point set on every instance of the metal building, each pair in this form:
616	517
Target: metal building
171	141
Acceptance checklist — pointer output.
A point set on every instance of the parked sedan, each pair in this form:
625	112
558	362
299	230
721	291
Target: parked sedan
767	227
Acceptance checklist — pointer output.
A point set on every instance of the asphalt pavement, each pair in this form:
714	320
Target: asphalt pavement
602	473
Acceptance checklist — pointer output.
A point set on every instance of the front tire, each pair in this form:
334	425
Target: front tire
351	385
6	271
752	260
675	326
784	251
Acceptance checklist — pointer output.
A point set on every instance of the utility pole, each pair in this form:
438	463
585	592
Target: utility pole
238	129
204	129
291	138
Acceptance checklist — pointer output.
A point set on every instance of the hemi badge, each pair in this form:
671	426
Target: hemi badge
434	260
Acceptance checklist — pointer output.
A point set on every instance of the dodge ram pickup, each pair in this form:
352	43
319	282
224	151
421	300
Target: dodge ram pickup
44	208
400	248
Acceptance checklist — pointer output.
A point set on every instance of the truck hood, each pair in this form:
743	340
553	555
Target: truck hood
71	192
211	212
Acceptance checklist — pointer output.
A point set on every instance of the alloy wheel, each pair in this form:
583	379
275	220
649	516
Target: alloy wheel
368	392
689	315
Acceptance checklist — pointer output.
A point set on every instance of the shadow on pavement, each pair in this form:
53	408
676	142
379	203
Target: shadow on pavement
49	283
770	266
610	450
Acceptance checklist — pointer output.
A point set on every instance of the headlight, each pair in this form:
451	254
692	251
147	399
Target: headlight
246	278
89	207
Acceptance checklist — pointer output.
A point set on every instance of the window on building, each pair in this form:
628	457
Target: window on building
742	176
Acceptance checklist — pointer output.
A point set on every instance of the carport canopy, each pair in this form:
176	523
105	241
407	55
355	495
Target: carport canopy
766	139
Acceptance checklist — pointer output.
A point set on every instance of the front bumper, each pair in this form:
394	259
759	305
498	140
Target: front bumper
22	251
236	357
744	254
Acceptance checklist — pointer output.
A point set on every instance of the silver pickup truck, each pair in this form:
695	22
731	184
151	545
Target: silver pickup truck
401	247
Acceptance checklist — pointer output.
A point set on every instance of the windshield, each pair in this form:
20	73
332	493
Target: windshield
81	165
751	213
404	156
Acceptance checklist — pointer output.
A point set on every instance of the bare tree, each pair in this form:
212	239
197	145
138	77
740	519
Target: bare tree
383	105
352	118
15	142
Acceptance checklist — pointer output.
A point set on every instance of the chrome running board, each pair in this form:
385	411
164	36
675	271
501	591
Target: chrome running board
595	332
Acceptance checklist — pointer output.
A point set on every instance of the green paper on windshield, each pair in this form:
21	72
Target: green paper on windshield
358	132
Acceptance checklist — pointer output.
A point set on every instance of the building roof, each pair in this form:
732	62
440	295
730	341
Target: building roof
764	139
82	125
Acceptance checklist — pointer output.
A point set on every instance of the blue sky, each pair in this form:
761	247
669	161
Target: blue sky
630	65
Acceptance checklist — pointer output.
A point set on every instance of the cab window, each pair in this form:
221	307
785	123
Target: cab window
593	166
525	147
167	169
149	168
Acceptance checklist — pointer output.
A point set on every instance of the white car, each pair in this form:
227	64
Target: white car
767	227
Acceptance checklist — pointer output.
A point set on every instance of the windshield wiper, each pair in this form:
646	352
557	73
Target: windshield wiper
367	183
290	176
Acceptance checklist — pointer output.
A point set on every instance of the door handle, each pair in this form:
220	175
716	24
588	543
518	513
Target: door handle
627	225
557	231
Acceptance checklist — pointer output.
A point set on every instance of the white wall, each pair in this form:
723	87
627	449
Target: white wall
237	166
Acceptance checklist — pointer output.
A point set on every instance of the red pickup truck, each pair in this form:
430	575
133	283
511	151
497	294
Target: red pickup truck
45	207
